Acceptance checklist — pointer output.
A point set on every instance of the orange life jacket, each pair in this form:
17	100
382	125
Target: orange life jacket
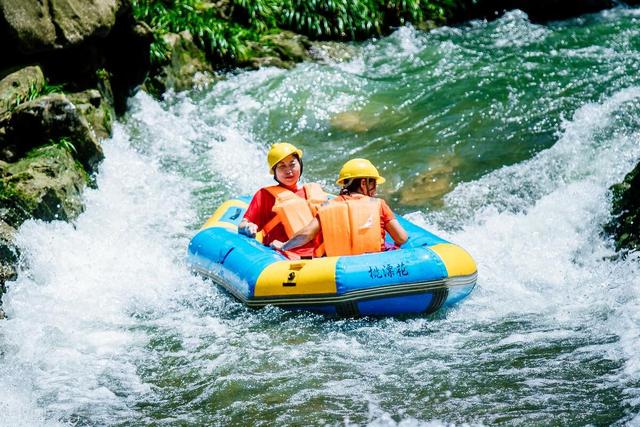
350	227
293	211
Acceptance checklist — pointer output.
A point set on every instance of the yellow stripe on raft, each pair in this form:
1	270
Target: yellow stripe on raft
457	261
304	277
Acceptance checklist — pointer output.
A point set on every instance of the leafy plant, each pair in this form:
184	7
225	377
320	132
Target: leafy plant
224	29
221	39
34	91
64	143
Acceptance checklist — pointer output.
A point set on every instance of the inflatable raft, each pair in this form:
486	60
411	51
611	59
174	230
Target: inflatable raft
427	273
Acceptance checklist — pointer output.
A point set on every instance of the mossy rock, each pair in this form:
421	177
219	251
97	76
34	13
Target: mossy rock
625	210
97	110
282	49
47	184
8	255
186	66
18	86
51	118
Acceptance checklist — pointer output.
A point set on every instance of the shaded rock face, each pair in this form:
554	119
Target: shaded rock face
625	209
126	57
51	118
537	10
46	184
8	255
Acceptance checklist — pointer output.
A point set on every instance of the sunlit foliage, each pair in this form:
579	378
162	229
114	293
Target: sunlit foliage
224	27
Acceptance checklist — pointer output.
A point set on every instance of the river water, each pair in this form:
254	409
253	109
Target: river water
502	137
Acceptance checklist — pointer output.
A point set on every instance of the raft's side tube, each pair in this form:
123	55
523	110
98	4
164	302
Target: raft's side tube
427	267
224	253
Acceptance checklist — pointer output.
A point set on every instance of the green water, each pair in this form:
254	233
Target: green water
446	106
502	137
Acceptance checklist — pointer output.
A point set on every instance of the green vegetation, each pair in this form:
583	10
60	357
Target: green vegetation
35	91
223	29
64	143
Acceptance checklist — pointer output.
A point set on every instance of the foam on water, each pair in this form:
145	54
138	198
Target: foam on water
535	230
72	330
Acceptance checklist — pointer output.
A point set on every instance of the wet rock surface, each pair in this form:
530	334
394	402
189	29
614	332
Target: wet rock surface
9	255
431	185
625	210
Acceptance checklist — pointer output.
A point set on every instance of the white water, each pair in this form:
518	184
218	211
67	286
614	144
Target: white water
94	297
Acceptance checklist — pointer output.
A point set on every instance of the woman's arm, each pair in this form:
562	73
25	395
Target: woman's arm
305	235
397	232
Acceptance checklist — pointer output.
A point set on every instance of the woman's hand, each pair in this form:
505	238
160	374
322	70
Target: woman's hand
277	245
247	228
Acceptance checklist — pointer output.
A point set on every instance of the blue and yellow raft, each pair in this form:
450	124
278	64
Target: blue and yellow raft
427	273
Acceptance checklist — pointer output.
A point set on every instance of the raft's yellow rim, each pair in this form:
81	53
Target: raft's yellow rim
457	261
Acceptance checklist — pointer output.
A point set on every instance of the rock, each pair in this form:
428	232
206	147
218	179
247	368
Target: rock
43	25
127	58
431	185
78	20
73	39
96	110
353	121
53	118
625	210
332	52
187	66
28	25
290	46
47	184
537	10
18	86
8	255
283	50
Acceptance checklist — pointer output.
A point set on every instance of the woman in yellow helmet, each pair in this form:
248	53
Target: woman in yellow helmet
281	210
356	221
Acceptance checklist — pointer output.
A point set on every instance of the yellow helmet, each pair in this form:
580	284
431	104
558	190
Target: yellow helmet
279	151
359	168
